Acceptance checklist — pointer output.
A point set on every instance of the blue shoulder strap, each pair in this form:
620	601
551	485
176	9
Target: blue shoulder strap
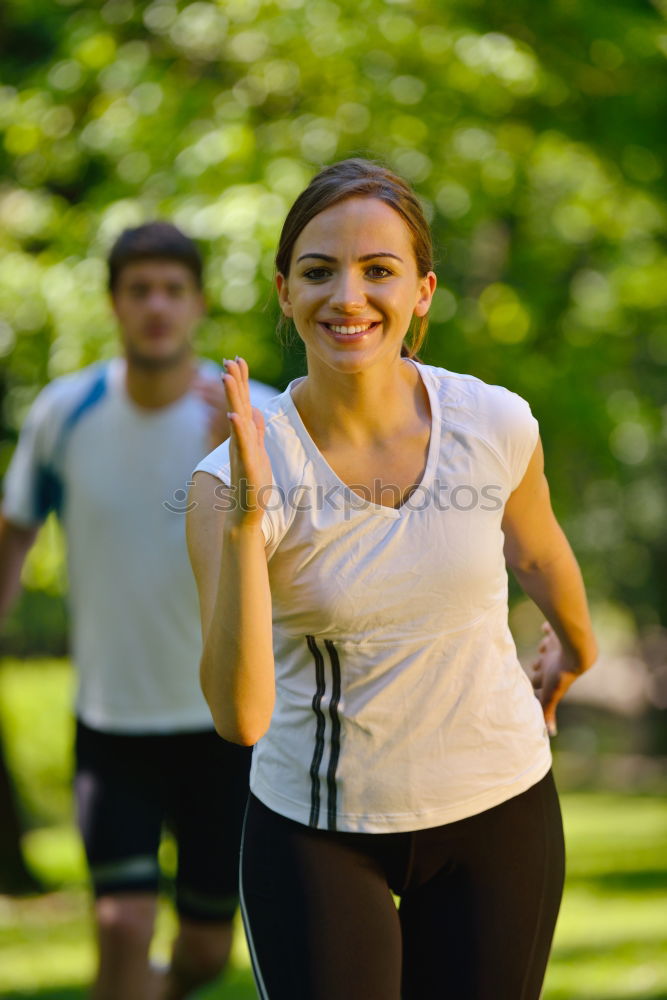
50	490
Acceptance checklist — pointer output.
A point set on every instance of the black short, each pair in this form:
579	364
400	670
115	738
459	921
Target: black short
128	787
478	905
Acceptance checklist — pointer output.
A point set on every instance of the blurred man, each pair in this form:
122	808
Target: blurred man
111	449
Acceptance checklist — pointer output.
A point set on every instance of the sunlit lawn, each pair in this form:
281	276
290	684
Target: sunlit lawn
611	941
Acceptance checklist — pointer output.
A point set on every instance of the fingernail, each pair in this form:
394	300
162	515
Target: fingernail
237	358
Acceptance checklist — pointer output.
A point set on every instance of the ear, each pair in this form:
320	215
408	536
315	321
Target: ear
283	295
425	293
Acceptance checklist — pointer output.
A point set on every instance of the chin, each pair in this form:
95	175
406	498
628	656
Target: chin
351	361
156	360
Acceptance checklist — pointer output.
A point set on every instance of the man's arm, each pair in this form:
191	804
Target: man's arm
540	557
15	543
15	875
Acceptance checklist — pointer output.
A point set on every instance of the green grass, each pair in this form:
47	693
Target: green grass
610	942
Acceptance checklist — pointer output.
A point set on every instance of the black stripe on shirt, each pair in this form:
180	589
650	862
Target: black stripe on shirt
335	734
320	688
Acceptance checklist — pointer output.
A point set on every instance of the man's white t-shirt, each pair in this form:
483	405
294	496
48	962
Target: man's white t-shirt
400	701
120	475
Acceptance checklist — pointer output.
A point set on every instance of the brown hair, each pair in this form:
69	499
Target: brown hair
160	240
355	178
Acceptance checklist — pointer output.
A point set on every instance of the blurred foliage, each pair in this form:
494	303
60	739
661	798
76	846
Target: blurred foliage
533	133
35	718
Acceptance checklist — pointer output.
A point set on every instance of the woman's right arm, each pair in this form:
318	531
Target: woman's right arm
229	563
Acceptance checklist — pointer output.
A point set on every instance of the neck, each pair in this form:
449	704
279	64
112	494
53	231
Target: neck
369	406
154	388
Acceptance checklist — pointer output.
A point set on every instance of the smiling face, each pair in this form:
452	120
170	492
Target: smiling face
158	304
353	285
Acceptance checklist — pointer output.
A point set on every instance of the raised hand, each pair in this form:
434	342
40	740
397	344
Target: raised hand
552	673
250	464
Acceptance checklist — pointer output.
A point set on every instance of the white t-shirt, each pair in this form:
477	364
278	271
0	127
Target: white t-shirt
119	475
400	701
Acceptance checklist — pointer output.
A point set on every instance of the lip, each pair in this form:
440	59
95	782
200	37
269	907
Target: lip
157	331
349	338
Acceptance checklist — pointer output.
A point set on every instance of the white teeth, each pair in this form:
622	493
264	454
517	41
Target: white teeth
350	329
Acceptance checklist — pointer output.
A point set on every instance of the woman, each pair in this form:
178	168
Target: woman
359	634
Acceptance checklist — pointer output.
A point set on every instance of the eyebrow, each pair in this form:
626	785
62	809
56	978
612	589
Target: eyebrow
366	256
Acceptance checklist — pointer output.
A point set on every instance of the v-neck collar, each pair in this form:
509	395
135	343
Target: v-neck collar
331	479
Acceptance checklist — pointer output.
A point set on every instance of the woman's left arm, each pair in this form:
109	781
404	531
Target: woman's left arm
539	554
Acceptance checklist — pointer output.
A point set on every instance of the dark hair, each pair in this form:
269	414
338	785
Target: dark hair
160	240
356	178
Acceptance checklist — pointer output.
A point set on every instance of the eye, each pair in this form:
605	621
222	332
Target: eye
316	273
379	271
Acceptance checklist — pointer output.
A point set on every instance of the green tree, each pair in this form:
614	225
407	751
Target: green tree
534	134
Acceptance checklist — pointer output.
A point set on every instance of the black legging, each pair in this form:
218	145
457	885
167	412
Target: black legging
478	905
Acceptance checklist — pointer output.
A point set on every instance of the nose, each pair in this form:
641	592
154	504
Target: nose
348	294
157	301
